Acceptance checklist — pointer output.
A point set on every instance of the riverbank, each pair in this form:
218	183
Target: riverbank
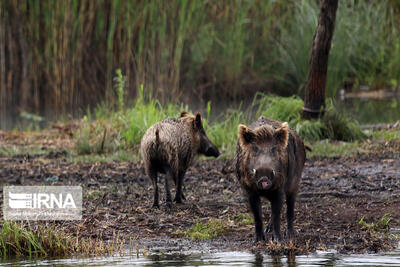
348	203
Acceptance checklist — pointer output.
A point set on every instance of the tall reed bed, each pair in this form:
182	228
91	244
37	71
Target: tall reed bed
61	56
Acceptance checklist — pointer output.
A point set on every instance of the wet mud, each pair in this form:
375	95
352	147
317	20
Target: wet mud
336	193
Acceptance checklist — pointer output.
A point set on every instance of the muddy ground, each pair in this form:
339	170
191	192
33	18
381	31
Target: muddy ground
335	194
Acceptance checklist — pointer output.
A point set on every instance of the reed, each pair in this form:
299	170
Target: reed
59	57
40	240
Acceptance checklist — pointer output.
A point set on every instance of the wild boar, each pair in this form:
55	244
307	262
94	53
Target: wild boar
170	146
269	161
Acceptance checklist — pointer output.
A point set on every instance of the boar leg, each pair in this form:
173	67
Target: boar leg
255	206
290	201
167	189
153	177
179	194
276	207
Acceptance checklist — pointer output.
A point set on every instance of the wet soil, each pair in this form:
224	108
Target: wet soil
335	194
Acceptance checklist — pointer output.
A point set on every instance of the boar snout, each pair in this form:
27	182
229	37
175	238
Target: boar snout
264	178
212	151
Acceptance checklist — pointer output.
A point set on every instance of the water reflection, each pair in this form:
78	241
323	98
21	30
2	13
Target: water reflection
329	259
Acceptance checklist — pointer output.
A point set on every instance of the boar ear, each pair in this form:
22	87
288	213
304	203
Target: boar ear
183	114
197	121
282	135
246	135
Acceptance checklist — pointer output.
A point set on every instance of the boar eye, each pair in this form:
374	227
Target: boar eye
255	151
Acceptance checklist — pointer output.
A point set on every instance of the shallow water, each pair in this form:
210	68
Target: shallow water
371	111
222	259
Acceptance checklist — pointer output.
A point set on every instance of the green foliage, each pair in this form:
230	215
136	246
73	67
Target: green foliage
279	108
31	117
382	225
223	131
16	240
334	125
144	113
292	46
204	231
311	130
175	46
113	132
341	126
15	150
365	45
95	137
243	219
387	134
30	121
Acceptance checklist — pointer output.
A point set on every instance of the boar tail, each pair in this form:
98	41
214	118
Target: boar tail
307	147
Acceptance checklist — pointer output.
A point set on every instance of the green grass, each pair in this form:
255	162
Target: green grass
243	219
16	150
326	148
115	156
382	225
334	125
223	131
24	240
279	108
204	231
116	135
16	240
387	135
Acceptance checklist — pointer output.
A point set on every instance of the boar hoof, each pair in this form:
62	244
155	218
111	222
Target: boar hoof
179	199
155	206
169	205
277	238
259	238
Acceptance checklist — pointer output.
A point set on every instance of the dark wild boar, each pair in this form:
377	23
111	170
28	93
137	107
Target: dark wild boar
269	161
170	146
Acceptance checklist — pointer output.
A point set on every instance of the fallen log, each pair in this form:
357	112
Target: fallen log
381	126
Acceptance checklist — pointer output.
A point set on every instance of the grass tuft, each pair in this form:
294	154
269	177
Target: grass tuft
382	225
334	125
23	240
279	108
204	231
243	219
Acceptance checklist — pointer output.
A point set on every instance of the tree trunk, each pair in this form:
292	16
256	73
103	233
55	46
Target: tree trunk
314	102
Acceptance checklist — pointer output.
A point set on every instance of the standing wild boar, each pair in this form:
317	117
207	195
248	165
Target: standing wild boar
170	146
269	161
